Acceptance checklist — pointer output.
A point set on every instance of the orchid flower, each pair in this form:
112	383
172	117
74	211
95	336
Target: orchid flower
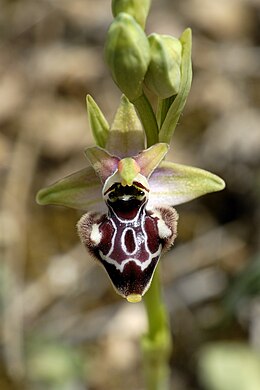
129	193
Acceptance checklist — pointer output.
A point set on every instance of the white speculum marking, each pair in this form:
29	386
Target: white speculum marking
163	229
142	264
95	235
123	241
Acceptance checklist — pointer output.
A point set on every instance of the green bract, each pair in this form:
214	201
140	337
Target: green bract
97	121
136	8
127	53
169	119
164	73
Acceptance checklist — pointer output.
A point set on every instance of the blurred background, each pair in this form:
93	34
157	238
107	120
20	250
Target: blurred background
62	325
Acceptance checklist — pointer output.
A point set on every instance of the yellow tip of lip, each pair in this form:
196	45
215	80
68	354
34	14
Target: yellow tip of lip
134	298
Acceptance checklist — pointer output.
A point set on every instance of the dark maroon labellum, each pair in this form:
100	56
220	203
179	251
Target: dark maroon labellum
128	241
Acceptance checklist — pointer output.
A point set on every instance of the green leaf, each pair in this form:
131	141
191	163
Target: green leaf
126	136
174	184
177	106
80	190
98	123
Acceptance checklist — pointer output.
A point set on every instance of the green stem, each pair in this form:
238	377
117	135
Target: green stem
148	119
157	343
163	108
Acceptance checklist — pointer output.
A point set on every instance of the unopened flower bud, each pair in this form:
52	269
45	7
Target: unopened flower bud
136	8
164	73
127	53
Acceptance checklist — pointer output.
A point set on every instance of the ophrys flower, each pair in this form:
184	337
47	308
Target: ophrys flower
129	193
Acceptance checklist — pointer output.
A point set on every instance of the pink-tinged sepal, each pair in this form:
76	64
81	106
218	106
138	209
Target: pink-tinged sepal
103	163
175	184
80	190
